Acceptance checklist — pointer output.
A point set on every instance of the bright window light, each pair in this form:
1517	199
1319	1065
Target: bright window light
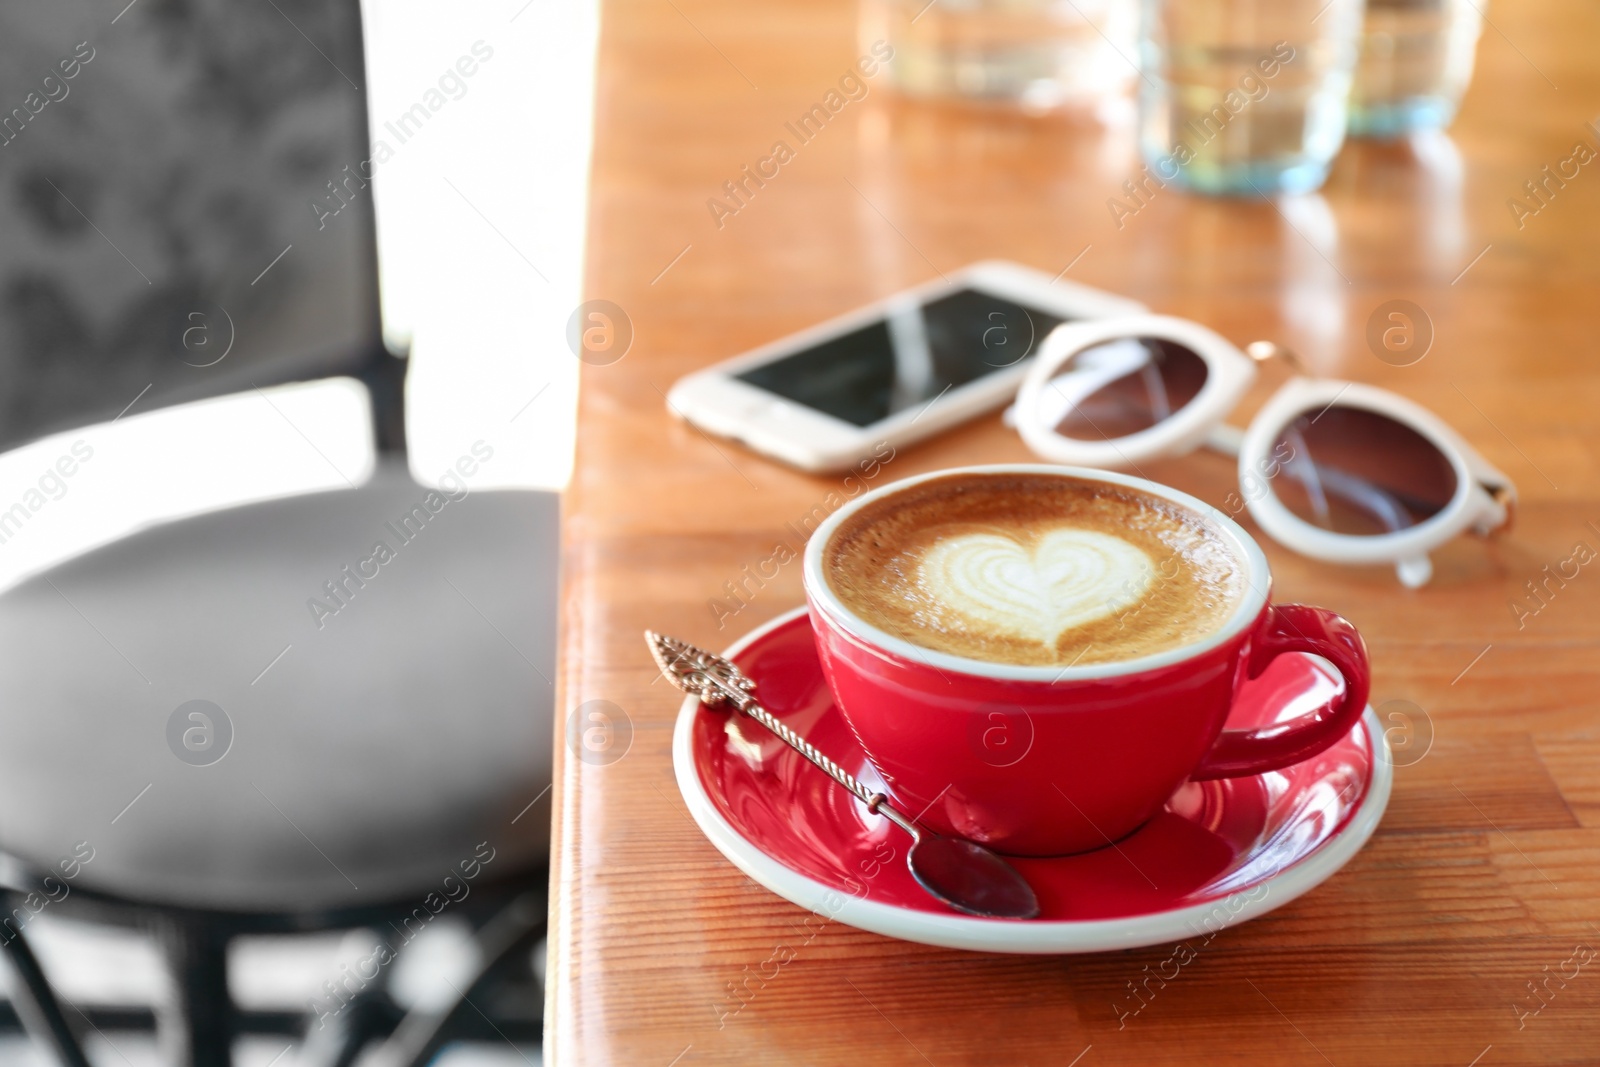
481	223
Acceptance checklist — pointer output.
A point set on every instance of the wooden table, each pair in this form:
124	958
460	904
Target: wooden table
1485	874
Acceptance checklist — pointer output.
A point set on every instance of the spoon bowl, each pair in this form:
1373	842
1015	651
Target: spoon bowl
970	878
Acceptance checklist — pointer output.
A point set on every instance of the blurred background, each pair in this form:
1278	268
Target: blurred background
480	230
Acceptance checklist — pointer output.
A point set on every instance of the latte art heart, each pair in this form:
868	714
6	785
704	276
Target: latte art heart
1034	568
1069	578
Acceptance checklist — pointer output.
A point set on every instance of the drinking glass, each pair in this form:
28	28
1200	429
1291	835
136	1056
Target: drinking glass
1238	97
1415	63
1038	55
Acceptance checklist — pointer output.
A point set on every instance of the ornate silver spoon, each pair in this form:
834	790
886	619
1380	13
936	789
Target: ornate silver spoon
964	875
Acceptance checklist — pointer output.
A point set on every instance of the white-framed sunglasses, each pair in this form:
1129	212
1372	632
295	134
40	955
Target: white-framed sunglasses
1339	471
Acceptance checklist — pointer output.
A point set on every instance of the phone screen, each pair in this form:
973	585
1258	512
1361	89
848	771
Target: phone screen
187	206
910	358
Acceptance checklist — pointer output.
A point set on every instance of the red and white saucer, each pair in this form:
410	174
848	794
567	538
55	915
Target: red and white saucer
1221	852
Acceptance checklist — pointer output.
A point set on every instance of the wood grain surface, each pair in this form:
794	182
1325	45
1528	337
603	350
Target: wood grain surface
1484	879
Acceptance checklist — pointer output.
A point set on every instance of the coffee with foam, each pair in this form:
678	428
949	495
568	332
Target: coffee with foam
1034	569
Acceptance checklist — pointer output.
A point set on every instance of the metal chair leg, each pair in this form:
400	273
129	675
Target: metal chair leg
37	1006
196	1030
371	1015
420	1034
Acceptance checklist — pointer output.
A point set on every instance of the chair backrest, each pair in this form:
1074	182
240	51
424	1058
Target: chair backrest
185	207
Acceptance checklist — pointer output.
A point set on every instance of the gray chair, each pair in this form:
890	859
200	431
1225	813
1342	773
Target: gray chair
256	719
387	752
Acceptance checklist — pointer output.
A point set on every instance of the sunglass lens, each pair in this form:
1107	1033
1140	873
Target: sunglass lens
1354	471
1120	387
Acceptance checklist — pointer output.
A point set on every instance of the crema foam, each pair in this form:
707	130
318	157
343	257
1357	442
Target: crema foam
1034	569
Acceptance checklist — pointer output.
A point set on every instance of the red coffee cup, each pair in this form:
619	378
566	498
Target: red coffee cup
1046	761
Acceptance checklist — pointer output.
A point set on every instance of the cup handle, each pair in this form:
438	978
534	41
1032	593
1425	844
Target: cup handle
1296	628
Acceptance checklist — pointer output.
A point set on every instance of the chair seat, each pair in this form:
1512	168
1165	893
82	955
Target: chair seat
384	655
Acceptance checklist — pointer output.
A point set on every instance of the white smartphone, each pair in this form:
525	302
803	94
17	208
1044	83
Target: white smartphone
895	371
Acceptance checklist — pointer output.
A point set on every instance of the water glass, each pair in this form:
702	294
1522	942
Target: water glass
1416	60
1240	97
1038	55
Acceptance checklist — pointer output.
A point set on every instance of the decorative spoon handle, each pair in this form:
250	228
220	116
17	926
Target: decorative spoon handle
716	680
